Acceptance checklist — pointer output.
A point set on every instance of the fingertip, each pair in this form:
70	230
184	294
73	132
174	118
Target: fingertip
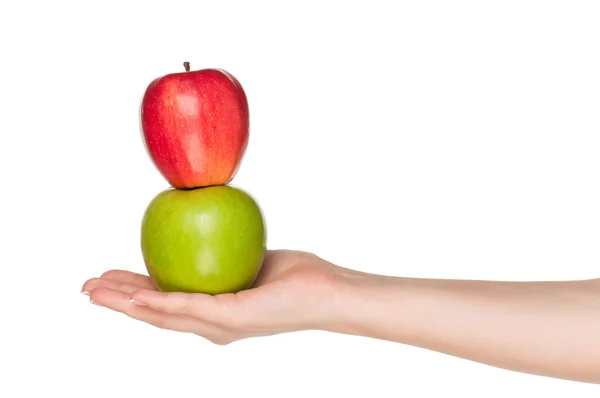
89	285
95	295
140	294
136	297
108	297
93	299
137	302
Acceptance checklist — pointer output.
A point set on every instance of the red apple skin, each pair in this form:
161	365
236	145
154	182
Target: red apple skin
195	127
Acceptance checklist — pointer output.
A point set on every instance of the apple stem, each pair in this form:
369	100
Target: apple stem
186	65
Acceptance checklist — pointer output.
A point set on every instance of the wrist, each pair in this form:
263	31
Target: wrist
362	302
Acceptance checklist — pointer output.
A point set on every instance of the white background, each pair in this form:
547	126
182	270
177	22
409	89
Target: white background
432	139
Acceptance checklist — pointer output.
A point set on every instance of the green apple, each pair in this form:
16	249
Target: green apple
207	240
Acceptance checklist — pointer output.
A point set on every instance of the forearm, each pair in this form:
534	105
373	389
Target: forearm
546	328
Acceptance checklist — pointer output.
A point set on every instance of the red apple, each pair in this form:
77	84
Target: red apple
195	126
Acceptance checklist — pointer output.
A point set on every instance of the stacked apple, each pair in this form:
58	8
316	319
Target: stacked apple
202	235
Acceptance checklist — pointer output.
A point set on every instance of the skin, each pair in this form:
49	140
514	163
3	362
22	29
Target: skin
544	328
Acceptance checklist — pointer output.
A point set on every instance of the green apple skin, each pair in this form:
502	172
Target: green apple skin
208	240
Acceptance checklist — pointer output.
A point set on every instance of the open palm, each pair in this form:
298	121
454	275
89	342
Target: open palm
294	291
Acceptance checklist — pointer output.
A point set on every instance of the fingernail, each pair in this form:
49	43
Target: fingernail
93	302
85	293
136	302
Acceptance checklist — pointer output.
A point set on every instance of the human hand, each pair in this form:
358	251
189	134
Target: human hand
294	291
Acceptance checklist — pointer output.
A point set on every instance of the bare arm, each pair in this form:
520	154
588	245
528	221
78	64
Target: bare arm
545	328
